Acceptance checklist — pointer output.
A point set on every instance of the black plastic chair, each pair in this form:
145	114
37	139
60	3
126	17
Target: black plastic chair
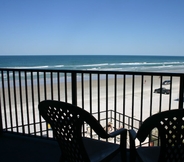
170	128
66	121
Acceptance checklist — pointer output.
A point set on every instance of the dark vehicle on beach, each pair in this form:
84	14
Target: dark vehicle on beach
166	82
162	90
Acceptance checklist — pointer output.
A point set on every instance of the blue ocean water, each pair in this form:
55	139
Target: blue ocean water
96	62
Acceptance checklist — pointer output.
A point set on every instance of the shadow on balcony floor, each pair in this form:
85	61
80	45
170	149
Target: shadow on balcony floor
27	149
20	148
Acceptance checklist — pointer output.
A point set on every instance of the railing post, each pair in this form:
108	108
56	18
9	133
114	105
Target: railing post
1	126
129	123
74	88
181	92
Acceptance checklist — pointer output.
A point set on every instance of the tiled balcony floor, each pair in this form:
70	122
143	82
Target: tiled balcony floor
29	149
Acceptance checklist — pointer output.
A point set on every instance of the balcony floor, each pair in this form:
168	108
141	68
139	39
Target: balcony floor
30	149
20	148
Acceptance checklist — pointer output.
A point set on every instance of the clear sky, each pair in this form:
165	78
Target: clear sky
121	27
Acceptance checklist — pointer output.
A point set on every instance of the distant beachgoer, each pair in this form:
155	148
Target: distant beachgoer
109	127
48	126
90	131
120	127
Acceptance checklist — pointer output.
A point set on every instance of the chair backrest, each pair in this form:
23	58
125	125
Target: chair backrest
170	125
66	121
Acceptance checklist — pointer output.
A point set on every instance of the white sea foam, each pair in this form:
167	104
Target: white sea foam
104	64
27	67
59	66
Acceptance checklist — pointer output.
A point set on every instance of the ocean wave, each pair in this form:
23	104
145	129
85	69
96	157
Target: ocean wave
96	68
28	67
144	63
103	64
35	67
106	69
144	67
120	63
58	66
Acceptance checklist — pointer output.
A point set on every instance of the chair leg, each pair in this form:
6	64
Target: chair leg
123	142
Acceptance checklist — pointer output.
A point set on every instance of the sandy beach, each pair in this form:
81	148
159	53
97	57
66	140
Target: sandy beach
132	103
133	99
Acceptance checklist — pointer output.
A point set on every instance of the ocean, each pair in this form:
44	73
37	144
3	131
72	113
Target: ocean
96	62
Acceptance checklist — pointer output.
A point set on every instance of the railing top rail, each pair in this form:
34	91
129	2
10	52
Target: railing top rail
96	72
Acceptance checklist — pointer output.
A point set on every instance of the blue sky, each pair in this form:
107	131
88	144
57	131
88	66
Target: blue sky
121	27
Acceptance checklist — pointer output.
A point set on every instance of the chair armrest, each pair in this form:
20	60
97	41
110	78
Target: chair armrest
132	134
117	132
132	137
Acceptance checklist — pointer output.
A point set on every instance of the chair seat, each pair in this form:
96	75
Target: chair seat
98	150
148	154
